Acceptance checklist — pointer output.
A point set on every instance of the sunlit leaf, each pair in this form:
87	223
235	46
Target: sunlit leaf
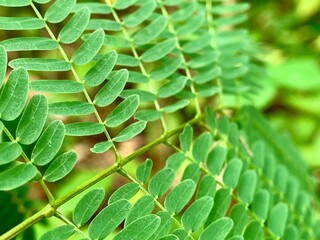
59	10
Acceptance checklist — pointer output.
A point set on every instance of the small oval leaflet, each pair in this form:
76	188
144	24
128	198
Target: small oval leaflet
112	89
61	233
48	144
84	129
127	191
123	111
3	63
278	218
9	151
101	147
130	131
179	196
144	170
59	10
56	86
217	230
159	50
60	167
87	206
161	182
33	119
253	231
71	108
247	185
99	228
140	15
14	95
41	64
100	71
72	31
141	228
17	176
21	23
88	50
260	204
201	147
197	213
29	44
232	173
142	207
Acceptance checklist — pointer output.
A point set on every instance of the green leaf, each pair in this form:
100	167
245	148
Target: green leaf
112	89
176	106
130	131
141	228
239	216
9	152
14	3
21	23
123	111
217	230
14	95
179	196
105	24
247	185
201	147
260	204
291	233
100	71
48	144
127	60
186	138
59	10
88	50
3	63
216	159
99	8
181	234
172	87
165	225
161	182
170	237
142	207
42	1
192	172
87	206
60	167
72	31
1	127
41	64
150	32
207	187
232	8
136	77
167	67
207	74
159	50
71	108
33	119
144	170
123	4
199	43
109	219
197	213
147	115
278	218
253	231
222	201
144	96
61	233
175	161
29	44
192	25
127	191
56	86
232	173
140	15
17	176
84	129
101	147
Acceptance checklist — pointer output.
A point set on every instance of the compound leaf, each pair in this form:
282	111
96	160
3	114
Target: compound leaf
142	207
144	170
21	23
101	147
127	191
41	64
159	50
9	152
201	147
217	230
59	10
71	108
56	86
130	131
84	129
161	182
29	44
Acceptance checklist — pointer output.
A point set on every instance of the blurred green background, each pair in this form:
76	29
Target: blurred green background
289	32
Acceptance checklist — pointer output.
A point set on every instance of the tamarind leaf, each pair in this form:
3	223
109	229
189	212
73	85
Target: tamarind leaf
41	64
144	170
61	233
71	108
56	86
83	129
21	23
130	131
9	152
217	230
29	44
161	182
59	10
